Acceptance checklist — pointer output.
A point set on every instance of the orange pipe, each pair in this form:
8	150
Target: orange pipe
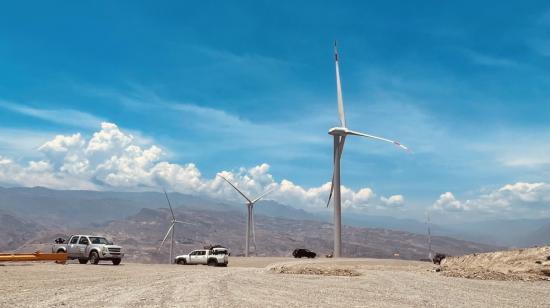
36	256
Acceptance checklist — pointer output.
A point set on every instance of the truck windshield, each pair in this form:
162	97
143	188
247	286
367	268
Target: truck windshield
100	240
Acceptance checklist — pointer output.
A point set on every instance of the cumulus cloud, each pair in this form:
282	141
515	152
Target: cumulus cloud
393	201
518	197
113	159
448	202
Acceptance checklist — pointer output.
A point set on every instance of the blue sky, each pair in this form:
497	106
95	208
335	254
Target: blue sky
230	85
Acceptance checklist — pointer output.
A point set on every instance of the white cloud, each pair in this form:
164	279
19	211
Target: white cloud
60	116
519	198
393	201
109	139
488	60
62	143
448	202
113	159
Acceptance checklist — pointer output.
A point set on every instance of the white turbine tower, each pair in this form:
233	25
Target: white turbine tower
172	228
430	253
340	134
250	221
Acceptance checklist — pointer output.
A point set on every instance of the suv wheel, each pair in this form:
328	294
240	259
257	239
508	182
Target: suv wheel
116	261
82	261
94	257
212	262
181	262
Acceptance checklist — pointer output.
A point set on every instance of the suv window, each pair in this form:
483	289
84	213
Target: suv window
84	240
99	240
202	253
74	239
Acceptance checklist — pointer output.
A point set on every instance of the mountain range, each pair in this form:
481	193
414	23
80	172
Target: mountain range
138	220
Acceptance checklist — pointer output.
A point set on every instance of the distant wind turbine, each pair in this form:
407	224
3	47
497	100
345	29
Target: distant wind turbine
250	221
340	134
172	228
430	253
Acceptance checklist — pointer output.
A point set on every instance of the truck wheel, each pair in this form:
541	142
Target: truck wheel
82	261
182	262
116	261
60	251
94	257
212	262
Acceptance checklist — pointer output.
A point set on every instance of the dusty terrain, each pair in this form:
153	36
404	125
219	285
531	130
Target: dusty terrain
520	264
257	282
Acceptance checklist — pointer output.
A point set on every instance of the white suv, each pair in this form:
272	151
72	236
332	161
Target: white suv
213	257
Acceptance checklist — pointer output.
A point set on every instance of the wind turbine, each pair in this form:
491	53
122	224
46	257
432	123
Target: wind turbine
340	133
430	253
250	221
172	228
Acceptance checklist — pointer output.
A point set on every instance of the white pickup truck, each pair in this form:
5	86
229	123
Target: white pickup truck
89	248
210	257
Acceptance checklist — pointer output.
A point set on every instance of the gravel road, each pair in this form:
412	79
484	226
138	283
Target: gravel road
252	283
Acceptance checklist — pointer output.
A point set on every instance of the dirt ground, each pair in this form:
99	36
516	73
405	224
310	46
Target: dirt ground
255	282
527	264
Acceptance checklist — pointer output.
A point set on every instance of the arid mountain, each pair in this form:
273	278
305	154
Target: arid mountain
16	231
78	209
139	220
539	237
142	233
84	208
503	232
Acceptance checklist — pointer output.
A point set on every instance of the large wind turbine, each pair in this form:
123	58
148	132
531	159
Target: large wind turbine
250	221
172	228
340	134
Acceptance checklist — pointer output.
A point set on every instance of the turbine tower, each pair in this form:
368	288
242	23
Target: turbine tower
430	253
172	228
250	221
340	133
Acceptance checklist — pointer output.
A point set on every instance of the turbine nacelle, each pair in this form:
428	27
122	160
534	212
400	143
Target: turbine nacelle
338	131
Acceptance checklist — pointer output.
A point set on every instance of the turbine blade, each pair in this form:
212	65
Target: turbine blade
166	236
182	222
263	195
341	113
338	149
379	138
170	205
341	146
331	189
240	192
253	230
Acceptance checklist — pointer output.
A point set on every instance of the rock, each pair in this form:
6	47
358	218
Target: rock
438	258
